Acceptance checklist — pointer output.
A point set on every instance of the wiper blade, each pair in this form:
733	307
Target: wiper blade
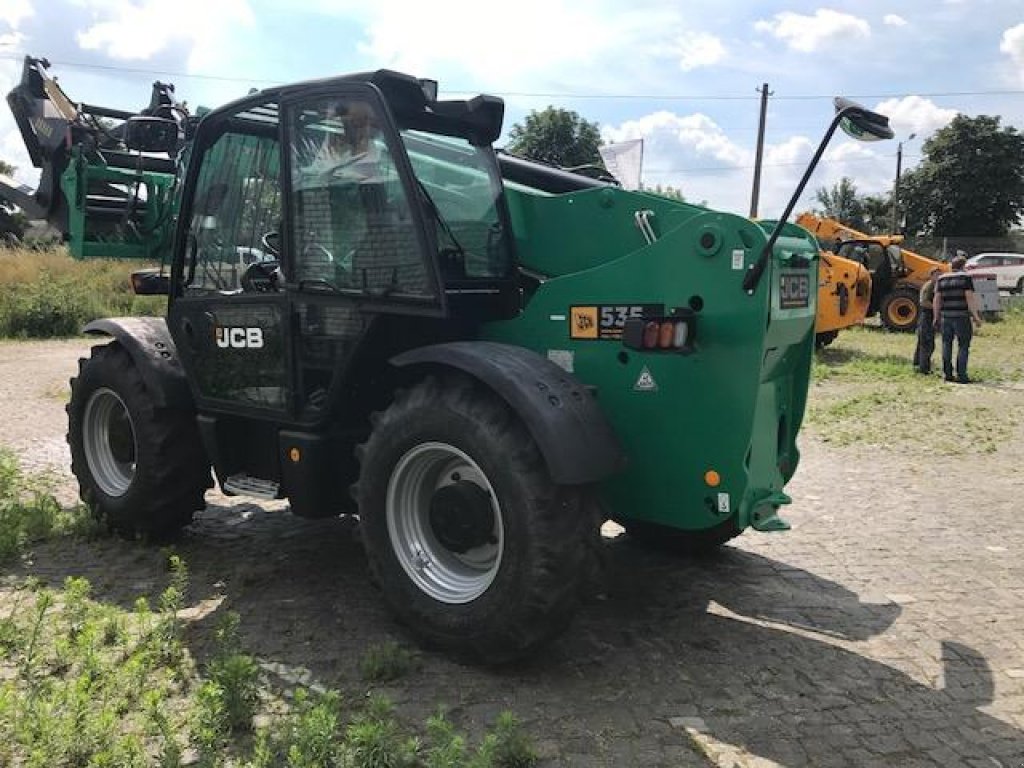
440	219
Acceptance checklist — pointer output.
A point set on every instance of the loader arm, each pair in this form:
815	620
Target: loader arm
106	175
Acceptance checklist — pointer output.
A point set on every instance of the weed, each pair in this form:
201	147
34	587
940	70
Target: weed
374	739
505	746
388	661
28	511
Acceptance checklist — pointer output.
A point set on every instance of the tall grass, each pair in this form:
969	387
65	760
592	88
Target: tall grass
45	294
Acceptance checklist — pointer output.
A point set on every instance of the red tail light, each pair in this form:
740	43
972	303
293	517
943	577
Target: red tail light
671	334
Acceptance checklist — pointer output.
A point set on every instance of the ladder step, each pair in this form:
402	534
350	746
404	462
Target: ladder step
246	485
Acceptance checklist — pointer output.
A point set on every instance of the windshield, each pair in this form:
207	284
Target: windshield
462	184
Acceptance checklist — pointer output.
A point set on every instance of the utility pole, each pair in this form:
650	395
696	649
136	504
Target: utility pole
765	93
896	186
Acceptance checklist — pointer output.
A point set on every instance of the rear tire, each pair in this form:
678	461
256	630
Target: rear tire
1020	287
899	310
141	469
473	545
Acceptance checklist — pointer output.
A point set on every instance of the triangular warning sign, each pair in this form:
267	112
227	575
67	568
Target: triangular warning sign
646	382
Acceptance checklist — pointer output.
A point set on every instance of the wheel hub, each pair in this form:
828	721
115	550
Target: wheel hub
445	522
461	516
108	439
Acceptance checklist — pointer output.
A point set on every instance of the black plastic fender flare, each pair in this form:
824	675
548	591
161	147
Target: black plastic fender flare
560	412
148	342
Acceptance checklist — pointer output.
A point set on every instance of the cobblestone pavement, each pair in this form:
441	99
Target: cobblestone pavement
886	629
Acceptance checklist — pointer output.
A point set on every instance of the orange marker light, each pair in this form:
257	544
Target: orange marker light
712	478
294	454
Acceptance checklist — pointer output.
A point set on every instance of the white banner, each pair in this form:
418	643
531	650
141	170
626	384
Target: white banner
623	161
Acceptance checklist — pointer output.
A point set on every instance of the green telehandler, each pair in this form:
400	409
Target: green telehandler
372	311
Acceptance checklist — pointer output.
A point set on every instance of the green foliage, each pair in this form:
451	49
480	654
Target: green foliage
506	746
12	221
48	294
374	740
557	136
29	513
388	661
971	182
237	674
869	214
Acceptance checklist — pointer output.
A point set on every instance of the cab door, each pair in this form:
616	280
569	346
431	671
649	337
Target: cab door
229	316
357	244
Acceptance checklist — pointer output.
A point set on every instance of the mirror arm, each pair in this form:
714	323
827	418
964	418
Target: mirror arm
753	276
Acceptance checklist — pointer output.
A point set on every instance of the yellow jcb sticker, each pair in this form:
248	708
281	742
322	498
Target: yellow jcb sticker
583	323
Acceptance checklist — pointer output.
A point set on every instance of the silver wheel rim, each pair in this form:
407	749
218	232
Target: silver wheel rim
441	573
108	438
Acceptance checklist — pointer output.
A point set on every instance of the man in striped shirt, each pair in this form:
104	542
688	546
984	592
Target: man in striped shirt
955	307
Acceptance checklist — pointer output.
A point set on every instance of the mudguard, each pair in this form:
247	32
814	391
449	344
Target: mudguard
561	414
148	341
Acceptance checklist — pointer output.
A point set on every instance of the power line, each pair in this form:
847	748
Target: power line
16	56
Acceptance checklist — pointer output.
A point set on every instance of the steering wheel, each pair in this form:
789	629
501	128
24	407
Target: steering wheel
261	277
271	242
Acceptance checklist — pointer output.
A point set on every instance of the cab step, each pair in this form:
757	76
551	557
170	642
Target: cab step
247	485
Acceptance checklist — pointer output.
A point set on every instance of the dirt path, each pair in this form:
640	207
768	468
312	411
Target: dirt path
885	629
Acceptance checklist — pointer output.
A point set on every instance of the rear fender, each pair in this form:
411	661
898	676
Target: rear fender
149	343
561	414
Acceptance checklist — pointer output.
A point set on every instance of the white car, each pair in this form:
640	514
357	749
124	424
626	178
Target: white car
1008	269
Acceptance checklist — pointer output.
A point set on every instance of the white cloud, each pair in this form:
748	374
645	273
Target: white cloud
1012	44
694	154
699	49
811	33
137	31
913	114
892	20
542	42
15	11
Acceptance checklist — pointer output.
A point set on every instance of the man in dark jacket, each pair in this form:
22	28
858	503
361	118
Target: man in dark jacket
955	307
926	324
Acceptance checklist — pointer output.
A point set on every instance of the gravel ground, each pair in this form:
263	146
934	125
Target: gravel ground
885	629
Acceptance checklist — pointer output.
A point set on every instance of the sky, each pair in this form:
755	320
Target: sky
682	76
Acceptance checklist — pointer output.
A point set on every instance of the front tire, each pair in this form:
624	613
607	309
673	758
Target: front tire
823	339
140	468
899	310
473	545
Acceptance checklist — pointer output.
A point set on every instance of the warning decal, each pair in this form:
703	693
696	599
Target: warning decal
645	382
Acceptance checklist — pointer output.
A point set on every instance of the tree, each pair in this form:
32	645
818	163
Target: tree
12	221
971	182
842	203
557	136
876	212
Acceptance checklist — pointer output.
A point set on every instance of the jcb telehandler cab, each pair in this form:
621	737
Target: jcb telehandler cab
491	355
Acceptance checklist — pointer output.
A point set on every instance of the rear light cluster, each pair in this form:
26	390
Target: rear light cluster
670	334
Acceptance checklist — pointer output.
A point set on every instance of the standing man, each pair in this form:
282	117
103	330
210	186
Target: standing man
926	324
955	306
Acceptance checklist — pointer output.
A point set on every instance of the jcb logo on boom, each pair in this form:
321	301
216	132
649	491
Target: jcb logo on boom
238	338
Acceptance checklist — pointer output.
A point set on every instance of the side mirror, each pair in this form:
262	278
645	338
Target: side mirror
151	134
150	282
857	121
